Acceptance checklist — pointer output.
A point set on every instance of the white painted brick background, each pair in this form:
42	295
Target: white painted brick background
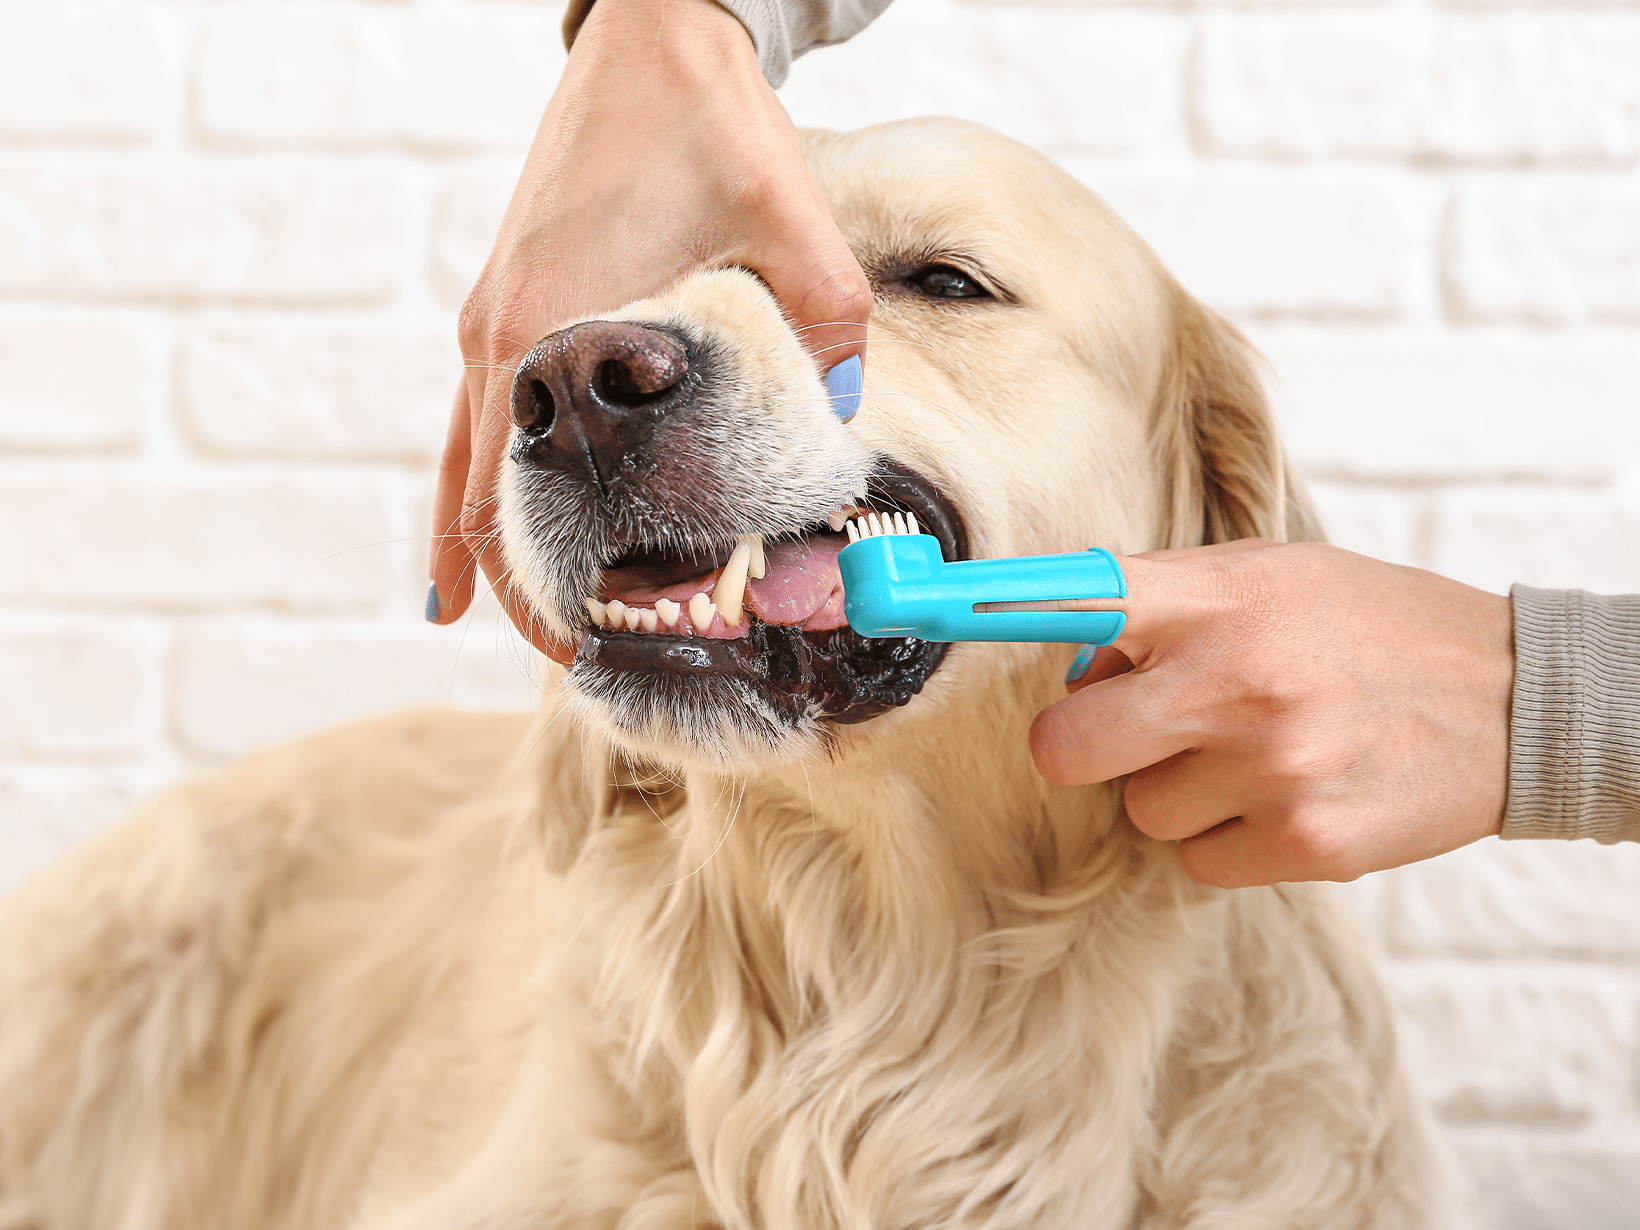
233	238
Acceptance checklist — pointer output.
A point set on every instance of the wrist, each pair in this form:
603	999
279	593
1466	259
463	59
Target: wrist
702	30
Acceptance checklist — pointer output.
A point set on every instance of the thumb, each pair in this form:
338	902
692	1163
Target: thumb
820	285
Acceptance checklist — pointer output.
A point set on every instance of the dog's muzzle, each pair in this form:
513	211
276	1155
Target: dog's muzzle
643	455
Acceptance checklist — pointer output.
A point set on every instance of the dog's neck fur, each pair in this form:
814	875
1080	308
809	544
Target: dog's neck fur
829	965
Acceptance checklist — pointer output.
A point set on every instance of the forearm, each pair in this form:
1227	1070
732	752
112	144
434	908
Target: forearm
1574	740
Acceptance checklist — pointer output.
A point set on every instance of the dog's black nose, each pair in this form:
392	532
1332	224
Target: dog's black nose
587	397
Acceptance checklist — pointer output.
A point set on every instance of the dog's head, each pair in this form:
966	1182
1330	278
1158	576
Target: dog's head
1036	383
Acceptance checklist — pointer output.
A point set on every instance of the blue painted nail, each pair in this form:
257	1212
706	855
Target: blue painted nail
843	383
432	602
1081	662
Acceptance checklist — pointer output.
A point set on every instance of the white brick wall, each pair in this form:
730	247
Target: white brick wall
233	238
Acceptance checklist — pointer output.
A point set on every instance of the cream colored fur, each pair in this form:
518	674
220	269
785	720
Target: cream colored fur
443	972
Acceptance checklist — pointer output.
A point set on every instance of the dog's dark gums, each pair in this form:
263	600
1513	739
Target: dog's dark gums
835	674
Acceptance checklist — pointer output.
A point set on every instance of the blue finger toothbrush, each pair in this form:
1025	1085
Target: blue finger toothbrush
897	583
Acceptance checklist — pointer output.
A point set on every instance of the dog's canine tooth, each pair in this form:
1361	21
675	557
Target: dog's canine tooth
598	611
700	612
759	566
615	611
647	619
668	611
838	520
731	586
632	618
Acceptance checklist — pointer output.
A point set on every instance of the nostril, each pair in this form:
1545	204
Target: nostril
533	408
621	385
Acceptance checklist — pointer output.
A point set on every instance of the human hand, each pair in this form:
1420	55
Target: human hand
1294	711
662	150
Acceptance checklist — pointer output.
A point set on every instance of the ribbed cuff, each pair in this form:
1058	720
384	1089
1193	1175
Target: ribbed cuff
1574	727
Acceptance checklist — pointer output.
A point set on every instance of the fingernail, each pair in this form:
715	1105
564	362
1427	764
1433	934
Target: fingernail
1081	662
432	602
843	383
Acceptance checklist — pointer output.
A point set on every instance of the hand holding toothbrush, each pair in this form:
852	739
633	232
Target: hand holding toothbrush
1293	711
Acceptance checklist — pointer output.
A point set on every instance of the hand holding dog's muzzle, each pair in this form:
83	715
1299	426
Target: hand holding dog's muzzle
1294	711
662	151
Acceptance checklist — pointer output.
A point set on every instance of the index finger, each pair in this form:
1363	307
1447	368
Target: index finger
1171	596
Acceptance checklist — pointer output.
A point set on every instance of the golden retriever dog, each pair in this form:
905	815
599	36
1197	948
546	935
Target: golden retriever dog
758	923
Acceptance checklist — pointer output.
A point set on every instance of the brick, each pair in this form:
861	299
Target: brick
40	821
75	383
1385	524
1551	250
113	538
1059	79
354	76
293	237
1573	900
467	214
1281	244
1493	537
1518	1045
1434	408
76	692
240	688
83	71
1530	1186
322	392
1406	84
1305	84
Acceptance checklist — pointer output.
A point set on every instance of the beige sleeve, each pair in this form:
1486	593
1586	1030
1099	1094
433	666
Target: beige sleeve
781	30
1574	726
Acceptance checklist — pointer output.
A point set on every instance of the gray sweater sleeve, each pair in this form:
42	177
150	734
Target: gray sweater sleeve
781	30
1574	726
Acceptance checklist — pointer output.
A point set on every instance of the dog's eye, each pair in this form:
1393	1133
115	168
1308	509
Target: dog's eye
947	282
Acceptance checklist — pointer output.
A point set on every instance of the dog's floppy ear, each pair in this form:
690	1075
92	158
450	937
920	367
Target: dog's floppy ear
1224	472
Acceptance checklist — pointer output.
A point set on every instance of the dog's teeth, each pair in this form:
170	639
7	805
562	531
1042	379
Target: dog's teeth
615	612
631	618
731	586
853	534
911	523
597	610
837	521
647	619
700	612
899	524
668	611
759	566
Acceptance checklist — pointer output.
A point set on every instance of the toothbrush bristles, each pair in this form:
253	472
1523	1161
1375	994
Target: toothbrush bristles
874	525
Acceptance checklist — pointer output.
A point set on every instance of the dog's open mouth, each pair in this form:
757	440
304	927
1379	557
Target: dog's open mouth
684	618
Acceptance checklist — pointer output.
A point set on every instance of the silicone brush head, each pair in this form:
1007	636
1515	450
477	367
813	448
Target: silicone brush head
896	583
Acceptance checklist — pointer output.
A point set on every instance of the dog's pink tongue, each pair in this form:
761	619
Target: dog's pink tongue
801	585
